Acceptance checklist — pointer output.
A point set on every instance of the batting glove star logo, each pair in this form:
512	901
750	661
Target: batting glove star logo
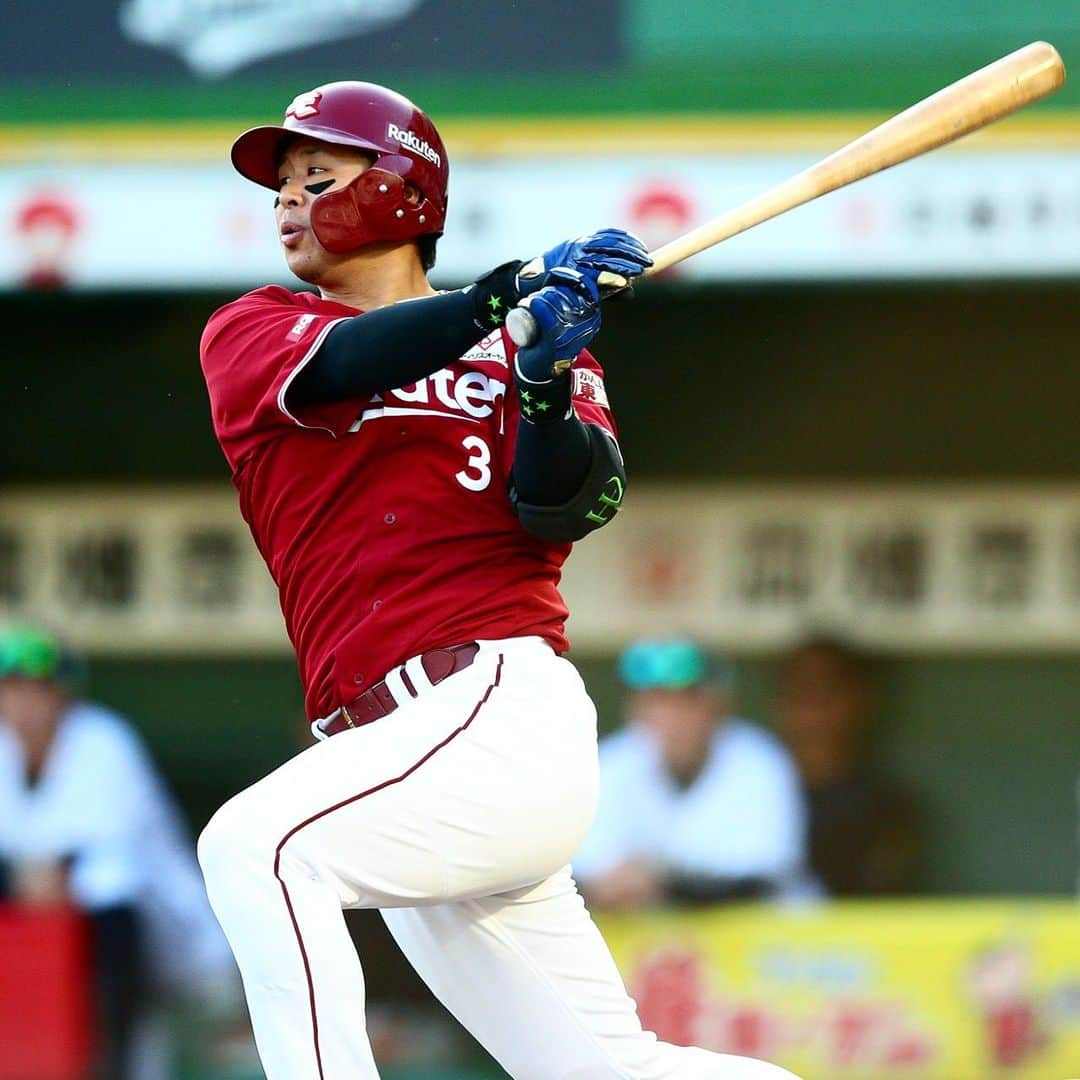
305	106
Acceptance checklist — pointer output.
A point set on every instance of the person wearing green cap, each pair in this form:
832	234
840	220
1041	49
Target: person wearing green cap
85	819
696	805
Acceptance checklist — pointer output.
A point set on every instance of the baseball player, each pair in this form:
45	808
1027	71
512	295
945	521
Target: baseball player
414	487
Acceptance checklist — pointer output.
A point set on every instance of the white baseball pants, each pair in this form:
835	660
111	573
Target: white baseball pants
456	815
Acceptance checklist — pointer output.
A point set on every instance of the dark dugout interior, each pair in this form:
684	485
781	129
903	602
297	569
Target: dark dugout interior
917	384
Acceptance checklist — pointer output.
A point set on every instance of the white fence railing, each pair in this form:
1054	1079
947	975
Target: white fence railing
166	570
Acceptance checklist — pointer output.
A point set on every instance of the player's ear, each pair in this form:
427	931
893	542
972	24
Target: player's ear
412	194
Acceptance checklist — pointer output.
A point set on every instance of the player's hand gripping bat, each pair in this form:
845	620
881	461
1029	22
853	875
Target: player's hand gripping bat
988	94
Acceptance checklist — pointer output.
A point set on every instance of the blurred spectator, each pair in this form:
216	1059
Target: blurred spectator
863	827
696	805
86	820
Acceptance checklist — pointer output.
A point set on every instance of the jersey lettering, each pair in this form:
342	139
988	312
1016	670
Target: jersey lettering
479	462
471	396
300	327
588	386
491	349
439	380
473	393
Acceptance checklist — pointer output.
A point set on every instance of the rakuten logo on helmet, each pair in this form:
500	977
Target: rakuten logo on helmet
305	106
413	141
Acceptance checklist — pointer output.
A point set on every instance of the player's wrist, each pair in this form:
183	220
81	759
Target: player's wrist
494	294
546	402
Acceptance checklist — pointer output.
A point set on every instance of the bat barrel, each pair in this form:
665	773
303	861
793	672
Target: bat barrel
972	102
1018	79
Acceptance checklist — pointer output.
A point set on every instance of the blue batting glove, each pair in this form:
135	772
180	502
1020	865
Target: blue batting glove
610	250
615	250
568	320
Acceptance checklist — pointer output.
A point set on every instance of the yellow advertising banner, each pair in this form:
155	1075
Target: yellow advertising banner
967	990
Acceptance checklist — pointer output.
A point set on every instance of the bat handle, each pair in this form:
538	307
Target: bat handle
523	328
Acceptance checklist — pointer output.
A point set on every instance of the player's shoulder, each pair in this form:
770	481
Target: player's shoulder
269	297
275	294
228	334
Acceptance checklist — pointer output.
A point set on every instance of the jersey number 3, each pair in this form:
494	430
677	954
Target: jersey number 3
477	473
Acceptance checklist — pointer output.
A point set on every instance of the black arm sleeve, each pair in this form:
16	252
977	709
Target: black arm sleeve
595	500
404	342
551	461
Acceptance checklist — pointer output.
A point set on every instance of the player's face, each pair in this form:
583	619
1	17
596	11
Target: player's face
308	169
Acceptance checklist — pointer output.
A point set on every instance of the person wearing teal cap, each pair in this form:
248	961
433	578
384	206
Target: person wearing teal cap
696	805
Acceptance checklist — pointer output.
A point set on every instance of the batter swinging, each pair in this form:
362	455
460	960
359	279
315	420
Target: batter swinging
415	486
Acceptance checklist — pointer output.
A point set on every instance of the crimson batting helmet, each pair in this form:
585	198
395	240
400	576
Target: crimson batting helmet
375	207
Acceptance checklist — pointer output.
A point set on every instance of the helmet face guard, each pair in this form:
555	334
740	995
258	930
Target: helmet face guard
374	208
377	207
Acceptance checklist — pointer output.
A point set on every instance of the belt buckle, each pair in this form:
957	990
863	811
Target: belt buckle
321	728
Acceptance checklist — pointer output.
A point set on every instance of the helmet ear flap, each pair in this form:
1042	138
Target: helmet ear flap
373	207
346	219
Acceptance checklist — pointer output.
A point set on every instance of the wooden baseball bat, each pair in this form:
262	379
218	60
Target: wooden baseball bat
994	91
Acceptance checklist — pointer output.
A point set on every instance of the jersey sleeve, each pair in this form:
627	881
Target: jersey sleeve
251	350
589	393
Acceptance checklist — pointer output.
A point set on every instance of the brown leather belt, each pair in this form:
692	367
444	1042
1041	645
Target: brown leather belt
378	701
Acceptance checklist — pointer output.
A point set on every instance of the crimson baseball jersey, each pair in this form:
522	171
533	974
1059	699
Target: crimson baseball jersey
384	520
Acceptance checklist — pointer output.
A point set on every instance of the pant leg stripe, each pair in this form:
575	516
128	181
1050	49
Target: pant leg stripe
348	802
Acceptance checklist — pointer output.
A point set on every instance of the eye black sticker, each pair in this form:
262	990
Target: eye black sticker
319	188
